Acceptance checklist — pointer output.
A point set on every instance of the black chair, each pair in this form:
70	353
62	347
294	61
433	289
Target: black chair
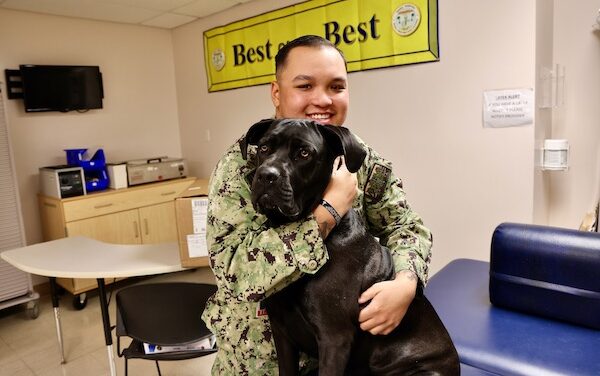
162	314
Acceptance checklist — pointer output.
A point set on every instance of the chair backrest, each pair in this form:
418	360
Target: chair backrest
163	313
546	271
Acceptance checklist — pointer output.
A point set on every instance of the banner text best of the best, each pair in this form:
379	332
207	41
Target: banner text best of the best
349	34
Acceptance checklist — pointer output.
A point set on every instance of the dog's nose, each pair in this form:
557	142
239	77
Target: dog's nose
268	175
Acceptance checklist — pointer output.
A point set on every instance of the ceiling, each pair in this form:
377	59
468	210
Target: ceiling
165	14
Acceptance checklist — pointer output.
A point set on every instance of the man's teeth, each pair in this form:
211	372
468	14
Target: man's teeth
319	116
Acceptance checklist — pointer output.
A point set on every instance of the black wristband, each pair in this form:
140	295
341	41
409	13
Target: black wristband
332	211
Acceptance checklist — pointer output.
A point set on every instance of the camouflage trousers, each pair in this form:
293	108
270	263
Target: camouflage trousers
244	340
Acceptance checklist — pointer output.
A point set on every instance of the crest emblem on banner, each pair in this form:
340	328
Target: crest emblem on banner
406	19
218	59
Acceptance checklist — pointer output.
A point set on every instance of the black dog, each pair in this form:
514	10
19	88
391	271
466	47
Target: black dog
318	314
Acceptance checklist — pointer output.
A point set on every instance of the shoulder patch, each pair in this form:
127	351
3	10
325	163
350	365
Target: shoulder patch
377	181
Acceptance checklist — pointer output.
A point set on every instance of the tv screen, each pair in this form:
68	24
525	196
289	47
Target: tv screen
61	88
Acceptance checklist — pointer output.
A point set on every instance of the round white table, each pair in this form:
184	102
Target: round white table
81	257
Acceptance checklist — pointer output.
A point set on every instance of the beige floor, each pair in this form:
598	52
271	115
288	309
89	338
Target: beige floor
29	347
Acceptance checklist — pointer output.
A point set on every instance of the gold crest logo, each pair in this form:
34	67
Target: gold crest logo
218	59
406	19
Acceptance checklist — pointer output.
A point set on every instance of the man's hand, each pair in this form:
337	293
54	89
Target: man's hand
340	193
389	301
342	187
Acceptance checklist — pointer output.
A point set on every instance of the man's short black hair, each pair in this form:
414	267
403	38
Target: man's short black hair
303	41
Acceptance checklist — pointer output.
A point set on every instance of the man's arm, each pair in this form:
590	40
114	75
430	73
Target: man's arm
402	231
339	194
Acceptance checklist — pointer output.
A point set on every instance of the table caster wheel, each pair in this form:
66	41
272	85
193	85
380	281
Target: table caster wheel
80	301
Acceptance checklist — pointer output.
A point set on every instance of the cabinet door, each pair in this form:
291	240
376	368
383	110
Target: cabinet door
158	223
118	228
51	215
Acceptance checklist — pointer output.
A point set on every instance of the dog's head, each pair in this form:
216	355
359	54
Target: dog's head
294	164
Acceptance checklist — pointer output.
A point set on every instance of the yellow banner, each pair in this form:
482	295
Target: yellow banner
371	33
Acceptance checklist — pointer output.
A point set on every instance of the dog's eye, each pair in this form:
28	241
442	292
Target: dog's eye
264	148
304	153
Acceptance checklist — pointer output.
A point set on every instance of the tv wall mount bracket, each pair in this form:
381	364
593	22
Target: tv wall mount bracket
14	84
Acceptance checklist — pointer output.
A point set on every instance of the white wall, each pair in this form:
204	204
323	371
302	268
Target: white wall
463	179
543	116
577	47
139	118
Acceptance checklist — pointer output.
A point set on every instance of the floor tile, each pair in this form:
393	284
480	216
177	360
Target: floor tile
86	365
7	354
43	358
15	368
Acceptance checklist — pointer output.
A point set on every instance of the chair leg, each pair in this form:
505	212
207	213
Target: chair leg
158	368
126	370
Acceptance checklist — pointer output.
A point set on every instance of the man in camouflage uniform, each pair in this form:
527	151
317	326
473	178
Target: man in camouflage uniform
251	260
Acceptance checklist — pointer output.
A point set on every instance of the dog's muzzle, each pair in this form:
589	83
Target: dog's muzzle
267	175
272	192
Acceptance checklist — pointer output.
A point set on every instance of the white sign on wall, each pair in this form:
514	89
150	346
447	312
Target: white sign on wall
508	108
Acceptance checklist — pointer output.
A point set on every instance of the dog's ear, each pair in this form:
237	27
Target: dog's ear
254	134
342	142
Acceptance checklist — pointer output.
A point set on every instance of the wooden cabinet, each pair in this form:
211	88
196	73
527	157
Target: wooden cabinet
137	215
119	228
158	223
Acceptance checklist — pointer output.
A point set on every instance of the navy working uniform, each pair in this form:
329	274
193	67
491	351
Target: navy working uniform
251	261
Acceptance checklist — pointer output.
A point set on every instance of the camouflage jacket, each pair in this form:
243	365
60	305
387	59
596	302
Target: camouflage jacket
251	261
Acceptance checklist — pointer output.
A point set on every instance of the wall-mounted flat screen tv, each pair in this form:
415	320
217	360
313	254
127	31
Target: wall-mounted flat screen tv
61	87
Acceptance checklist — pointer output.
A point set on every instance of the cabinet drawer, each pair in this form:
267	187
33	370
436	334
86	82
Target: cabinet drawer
92	206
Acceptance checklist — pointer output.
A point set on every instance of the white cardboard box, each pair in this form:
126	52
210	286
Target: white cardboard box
117	175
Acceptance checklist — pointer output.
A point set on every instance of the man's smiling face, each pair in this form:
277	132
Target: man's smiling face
313	84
